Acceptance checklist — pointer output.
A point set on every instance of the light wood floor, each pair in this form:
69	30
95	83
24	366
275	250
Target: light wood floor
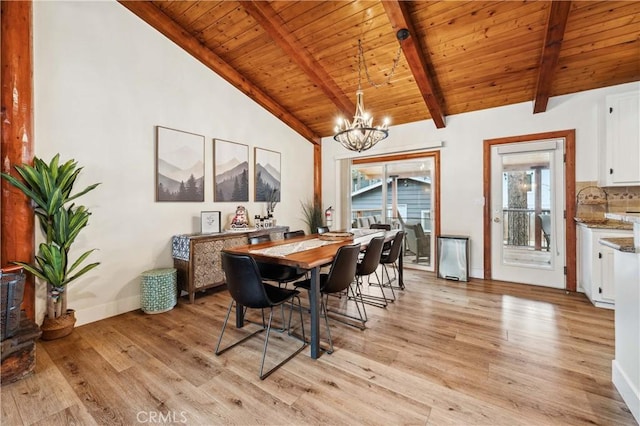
445	352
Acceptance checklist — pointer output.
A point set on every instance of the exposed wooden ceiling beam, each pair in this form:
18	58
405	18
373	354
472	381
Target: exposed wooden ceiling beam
158	20
399	16
556	24
273	24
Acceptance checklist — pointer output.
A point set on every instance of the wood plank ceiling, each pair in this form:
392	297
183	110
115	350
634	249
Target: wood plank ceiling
298	59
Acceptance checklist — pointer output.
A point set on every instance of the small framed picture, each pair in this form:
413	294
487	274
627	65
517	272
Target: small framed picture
209	222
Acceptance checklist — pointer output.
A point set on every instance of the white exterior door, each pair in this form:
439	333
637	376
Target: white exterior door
528	198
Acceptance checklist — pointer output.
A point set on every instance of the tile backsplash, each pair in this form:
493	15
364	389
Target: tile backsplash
620	199
623	199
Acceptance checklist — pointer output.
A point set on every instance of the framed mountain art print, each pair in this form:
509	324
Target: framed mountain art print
267	175
230	171
179	165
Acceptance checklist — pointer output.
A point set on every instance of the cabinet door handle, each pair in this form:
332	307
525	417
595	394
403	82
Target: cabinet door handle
599	255
610	171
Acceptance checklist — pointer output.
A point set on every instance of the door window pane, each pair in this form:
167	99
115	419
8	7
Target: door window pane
526	209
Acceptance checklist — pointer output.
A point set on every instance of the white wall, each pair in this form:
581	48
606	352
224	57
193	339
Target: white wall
103	80
461	209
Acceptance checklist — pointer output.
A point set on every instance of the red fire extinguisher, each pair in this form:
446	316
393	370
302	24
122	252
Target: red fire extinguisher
328	216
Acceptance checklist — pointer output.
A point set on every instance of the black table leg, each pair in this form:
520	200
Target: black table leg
314	302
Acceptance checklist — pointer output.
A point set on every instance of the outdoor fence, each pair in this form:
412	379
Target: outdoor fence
519	227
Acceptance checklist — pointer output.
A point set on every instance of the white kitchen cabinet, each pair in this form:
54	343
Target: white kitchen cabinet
622	141
607	288
595	264
625	369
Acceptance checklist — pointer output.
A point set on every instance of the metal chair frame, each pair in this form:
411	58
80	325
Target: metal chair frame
391	258
339	279
264	303
367	266
351	295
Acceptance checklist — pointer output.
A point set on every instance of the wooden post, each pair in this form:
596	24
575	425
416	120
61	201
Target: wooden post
17	218
317	174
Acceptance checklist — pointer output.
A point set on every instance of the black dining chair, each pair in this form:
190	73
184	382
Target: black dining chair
389	259
259	239
248	290
385	227
281	274
341	274
367	266
294	234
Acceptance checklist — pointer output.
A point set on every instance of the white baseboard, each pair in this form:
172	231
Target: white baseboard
106	310
604	305
625	387
476	273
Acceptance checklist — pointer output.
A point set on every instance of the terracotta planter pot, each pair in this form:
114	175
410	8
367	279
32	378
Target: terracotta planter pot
58	327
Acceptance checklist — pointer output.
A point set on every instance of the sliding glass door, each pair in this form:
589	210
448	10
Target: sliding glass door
398	192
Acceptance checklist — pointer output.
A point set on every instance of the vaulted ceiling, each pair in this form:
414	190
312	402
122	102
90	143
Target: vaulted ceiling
298	59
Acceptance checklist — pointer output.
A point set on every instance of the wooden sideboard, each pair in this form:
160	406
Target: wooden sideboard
197	256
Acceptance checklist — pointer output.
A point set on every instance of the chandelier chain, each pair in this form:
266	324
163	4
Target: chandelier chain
361	60
360	134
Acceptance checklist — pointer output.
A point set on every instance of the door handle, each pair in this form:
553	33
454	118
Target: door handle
496	219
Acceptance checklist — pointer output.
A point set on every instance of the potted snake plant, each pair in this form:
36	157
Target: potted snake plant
49	187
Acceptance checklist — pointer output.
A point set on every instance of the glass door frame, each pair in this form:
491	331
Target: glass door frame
435	186
569	137
515	257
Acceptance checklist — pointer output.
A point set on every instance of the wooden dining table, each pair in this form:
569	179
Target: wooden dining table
309	253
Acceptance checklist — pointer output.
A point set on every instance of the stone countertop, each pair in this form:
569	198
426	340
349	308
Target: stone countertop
625	217
603	224
621	244
633	219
